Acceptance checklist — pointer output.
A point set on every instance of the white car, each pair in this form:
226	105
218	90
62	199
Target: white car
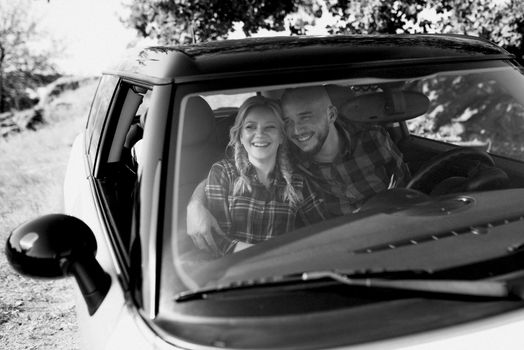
439	265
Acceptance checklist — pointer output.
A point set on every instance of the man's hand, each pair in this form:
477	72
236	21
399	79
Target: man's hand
200	226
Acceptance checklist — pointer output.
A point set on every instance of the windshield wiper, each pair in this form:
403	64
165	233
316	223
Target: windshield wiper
494	289
489	288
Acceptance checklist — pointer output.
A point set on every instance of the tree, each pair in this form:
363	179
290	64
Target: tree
22	65
501	22
178	21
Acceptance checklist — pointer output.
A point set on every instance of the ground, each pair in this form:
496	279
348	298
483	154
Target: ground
38	314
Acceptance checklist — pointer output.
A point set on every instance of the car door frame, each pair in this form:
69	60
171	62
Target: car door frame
123	304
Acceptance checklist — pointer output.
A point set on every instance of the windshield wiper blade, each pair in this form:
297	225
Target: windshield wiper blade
475	288
492	289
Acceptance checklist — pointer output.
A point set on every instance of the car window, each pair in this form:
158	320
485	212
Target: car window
476	107
481	109
117	175
98	113
217	101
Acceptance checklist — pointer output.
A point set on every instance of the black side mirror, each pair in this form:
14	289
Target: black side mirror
55	246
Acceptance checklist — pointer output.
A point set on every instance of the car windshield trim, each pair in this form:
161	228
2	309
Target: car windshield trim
325	68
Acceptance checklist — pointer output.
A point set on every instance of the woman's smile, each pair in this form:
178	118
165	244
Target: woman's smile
260	144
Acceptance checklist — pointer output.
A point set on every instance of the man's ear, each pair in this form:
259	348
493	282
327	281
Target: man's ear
332	113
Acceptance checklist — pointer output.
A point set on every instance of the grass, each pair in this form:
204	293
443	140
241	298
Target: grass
38	314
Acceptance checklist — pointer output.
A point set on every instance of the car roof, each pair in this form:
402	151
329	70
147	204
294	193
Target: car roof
230	57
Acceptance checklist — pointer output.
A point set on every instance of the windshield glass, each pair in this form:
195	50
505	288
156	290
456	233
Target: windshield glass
321	176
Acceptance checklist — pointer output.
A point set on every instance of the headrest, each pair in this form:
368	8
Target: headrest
273	94
385	107
199	121
338	94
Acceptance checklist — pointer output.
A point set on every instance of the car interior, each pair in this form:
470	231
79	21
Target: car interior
206	133
438	168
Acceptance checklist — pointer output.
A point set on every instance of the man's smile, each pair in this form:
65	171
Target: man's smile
304	137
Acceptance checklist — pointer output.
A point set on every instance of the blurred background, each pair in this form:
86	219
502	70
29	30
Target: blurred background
53	51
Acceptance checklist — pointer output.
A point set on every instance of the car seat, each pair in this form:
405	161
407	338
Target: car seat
200	149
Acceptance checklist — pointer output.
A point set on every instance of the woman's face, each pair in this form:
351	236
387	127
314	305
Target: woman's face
260	134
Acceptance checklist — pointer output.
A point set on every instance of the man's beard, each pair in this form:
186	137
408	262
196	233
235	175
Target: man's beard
321	138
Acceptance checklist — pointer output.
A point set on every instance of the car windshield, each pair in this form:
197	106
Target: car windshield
291	187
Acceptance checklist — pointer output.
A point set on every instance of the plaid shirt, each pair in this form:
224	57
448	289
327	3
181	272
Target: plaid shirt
262	214
371	163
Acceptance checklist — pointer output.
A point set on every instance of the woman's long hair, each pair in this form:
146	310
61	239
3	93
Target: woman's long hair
240	156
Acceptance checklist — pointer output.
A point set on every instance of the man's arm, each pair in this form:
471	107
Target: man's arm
199	195
200	222
312	208
397	169
400	170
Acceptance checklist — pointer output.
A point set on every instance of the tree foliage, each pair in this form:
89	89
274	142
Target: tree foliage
180	21
177	21
22	65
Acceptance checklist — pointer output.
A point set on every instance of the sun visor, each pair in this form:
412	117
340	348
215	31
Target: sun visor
385	107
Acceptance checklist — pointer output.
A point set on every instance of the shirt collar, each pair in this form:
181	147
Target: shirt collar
346	140
252	173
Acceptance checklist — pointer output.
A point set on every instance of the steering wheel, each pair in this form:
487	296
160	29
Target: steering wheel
460	169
